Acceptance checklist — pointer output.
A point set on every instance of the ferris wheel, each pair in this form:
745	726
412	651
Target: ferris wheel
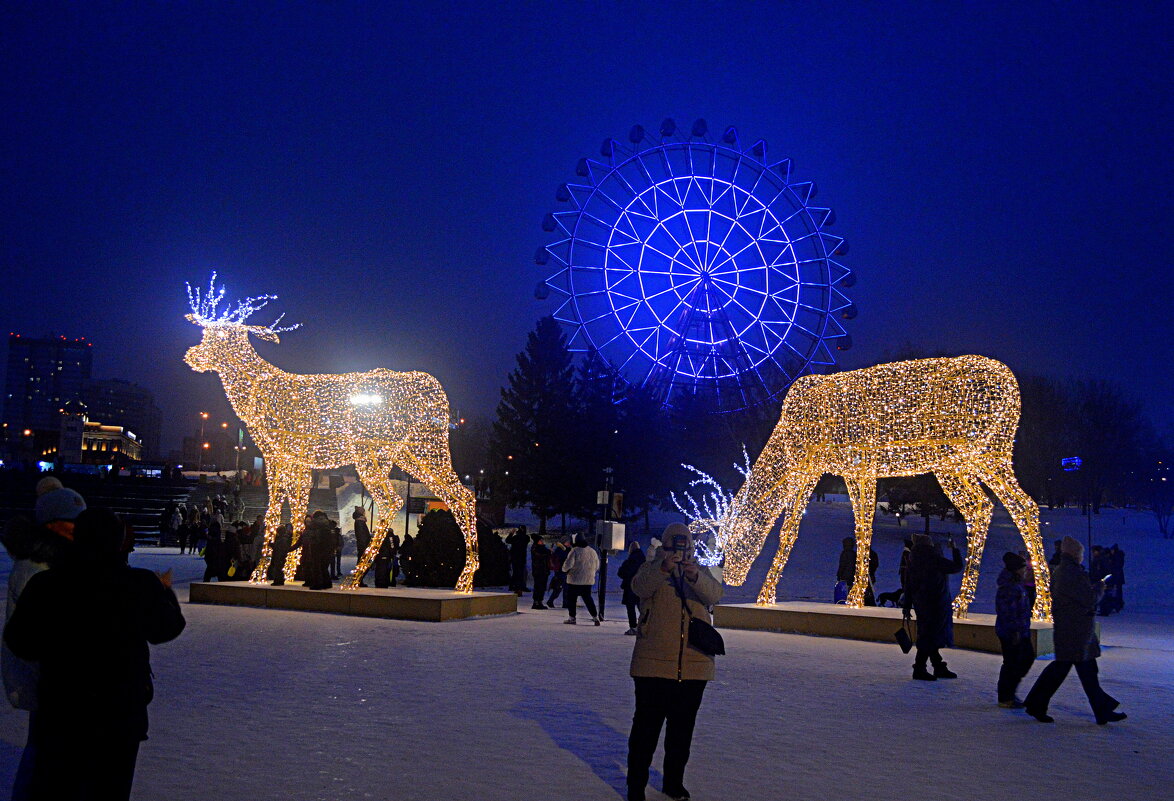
697	268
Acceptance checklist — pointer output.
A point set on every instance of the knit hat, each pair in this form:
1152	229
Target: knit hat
677	530
59	504
1072	547
1014	561
48	484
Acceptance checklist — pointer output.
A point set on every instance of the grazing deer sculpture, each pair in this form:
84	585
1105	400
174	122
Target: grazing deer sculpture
955	418
372	420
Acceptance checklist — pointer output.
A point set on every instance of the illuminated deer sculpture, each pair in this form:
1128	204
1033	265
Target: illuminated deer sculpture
955	418
372	420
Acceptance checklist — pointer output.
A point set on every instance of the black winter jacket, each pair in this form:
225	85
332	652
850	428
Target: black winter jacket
88	624
928	592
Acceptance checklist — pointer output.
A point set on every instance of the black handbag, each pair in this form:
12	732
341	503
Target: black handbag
902	636
702	636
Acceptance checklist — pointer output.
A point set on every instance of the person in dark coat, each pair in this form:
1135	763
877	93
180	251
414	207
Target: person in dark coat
903	567
540	567
1074	605
281	546
88	621
1054	559
558	555
385	561
336	552
1013	628
213	550
627	572
846	569
317	552
519	543
230	553
928	594
362	535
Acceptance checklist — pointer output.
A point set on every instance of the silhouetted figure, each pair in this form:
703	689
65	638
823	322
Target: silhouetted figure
519	542
627	572
540	568
928	594
88	621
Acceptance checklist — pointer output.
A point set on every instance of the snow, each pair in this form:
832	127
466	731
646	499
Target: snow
265	704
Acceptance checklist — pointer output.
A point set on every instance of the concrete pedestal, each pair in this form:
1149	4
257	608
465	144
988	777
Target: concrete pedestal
406	603
877	624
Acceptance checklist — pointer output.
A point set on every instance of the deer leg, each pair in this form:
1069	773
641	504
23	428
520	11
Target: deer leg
967	495
1025	513
374	475
862	493
796	500
277	497
439	477
297	489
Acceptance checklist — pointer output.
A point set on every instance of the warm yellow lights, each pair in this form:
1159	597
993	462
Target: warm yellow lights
955	418
372	420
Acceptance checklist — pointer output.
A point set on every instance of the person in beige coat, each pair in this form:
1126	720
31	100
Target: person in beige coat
670	675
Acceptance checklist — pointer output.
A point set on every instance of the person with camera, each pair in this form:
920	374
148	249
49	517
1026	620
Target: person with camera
670	674
928	594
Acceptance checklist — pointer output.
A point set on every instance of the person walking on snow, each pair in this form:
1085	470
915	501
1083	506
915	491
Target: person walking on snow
1013	628
1074	606
928	594
540	567
627	572
669	675
581	566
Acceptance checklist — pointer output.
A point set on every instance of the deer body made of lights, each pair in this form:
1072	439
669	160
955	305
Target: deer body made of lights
955	418
373	420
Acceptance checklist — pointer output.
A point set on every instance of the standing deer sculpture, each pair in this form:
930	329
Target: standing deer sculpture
955	418
372	420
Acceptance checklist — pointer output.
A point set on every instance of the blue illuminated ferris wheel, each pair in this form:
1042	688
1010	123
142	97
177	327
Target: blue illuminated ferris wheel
697	268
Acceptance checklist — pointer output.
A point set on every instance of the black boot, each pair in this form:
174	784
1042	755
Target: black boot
940	671
920	673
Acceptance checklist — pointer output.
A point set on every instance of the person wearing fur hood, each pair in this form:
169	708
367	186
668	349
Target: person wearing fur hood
669	675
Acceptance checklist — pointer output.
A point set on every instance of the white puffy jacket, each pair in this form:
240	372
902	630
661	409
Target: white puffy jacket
581	565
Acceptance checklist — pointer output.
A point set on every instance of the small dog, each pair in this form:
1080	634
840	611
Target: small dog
890	598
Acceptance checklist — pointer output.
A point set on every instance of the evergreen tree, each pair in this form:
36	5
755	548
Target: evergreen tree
530	447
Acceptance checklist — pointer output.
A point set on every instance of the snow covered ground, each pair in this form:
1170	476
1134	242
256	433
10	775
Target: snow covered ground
256	704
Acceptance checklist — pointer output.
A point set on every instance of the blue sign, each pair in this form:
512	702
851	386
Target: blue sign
1071	463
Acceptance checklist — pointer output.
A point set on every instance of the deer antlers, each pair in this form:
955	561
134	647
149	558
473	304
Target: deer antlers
204	310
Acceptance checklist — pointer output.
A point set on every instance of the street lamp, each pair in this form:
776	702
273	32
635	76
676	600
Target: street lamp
203	419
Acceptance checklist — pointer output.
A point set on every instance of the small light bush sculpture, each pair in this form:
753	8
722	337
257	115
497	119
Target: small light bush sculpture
955	418
705	518
372	420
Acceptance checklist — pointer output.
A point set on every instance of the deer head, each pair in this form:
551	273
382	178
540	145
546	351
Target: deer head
225	332
749	517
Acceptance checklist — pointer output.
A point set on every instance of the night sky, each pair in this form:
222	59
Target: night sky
1001	172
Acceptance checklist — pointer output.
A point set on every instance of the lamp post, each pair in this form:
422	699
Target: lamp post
607	471
203	419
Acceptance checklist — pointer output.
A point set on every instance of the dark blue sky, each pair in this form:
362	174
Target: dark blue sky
1001	171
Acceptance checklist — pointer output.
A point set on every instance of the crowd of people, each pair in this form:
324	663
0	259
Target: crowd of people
68	614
